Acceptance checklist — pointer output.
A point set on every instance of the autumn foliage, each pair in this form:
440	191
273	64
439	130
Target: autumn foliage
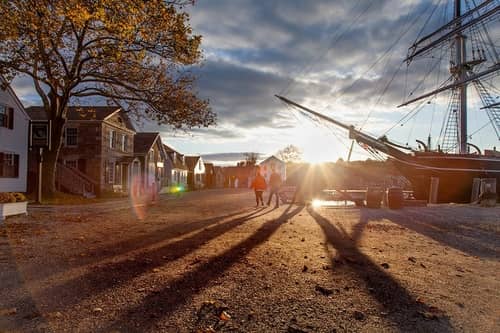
135	54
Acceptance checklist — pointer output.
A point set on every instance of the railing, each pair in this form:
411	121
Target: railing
74	181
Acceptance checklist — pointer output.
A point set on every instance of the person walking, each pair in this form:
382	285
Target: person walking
259	185
274	184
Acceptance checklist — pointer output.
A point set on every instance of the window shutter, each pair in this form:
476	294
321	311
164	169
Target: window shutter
16	166
10	117
1	164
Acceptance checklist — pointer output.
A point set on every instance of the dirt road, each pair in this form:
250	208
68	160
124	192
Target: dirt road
209	261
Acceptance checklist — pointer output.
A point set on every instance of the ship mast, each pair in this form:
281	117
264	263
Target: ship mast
461	69
460	74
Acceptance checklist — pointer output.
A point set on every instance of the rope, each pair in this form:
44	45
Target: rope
334	40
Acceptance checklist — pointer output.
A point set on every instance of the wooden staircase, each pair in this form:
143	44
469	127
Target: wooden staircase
74	181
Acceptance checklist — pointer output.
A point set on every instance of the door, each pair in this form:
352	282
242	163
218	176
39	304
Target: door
125	183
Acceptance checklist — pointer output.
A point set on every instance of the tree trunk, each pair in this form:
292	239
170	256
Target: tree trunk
49	166
50	158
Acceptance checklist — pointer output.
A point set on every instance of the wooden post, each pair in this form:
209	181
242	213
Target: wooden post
433	192
488	196
476	187
40	161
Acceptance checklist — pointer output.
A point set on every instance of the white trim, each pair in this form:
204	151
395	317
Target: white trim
111	114
16	99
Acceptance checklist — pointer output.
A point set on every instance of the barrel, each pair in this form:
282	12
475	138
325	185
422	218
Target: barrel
395	198
374	197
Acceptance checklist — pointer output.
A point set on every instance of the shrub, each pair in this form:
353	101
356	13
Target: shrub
7	197
19	196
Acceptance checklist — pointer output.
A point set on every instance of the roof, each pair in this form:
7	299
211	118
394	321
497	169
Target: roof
209	167
144	141
76	112
270	158
191	161
177	162
169	149
9	89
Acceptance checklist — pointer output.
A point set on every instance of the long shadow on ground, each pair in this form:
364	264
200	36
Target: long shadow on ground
130	244
112	275
462	232
401	306
14	316
178	292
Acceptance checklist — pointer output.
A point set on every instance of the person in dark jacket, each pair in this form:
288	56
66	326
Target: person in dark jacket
274	185
259	185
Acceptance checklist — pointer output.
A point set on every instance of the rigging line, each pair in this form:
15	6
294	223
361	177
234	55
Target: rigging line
381	95
431	69
479	129
475	132
404	32
438	78
334	40
318	123
410	133
411	113
427	21
448	110
491	87
483	25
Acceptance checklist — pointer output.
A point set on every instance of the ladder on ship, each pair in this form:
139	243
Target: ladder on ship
492	108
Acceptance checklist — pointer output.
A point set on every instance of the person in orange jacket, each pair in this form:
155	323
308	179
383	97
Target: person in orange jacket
259	185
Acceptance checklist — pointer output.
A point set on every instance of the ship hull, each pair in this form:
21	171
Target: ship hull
455	172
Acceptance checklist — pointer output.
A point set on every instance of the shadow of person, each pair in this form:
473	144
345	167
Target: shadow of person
401	306
182	289
115	249
112	275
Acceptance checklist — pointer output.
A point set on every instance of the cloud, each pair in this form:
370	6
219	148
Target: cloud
343	58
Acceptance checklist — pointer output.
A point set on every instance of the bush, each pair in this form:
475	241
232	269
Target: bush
19	196
7	197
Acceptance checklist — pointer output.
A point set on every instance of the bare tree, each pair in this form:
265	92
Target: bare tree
290	154
251	158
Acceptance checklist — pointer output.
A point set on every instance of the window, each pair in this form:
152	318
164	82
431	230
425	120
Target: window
124	142
6	117
9	165
109	174
71	163
112	139
71	137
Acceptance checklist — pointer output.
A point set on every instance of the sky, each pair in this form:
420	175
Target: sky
342	58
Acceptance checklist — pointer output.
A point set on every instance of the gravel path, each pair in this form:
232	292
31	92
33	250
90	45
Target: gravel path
210	261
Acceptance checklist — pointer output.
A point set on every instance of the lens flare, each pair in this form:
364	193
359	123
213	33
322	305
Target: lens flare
140	197
317	203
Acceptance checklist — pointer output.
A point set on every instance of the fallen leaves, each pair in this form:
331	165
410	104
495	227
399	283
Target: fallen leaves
8	312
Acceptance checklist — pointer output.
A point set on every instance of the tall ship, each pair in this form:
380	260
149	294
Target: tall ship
474	63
